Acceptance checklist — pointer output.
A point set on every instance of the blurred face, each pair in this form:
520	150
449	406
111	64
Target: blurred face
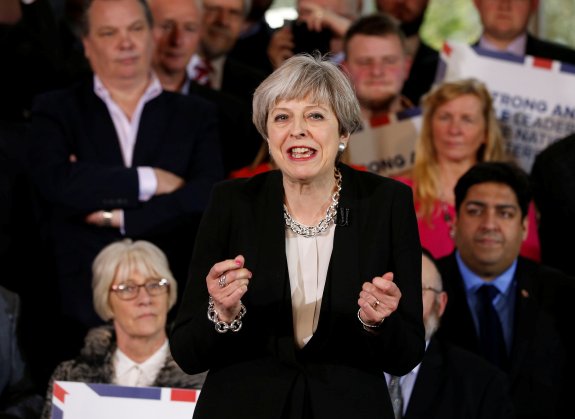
433	297
142	317
458	129
504	20
303	137
176	32
119	42
405	11
378	68
489	229
221	26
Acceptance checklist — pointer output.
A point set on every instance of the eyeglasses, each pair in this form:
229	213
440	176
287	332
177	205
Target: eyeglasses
129	290
428	288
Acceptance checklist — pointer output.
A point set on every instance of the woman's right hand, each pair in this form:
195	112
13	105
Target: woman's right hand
227	282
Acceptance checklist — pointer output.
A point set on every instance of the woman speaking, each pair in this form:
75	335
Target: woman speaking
305	283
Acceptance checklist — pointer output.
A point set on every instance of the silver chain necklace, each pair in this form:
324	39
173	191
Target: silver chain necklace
324	224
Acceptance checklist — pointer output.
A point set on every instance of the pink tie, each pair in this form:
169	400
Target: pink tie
203	70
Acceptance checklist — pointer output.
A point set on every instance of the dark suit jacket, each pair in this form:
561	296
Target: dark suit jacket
550	50
453	383
240	141
422	73
176	133
241	81
541	335
17	395
339	372
553	182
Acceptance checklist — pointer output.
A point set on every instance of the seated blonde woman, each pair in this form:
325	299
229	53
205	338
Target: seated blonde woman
134	289
459	129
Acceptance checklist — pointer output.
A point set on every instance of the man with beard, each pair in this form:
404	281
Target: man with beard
510	310
450	382
410	14
377	63
505	30
222	24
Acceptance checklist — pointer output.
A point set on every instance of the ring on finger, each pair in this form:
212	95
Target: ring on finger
375	304
222	281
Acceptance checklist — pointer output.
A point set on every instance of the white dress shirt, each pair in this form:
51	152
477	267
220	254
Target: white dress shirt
130	373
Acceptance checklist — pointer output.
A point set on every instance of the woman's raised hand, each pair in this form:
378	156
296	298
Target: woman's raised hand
227	282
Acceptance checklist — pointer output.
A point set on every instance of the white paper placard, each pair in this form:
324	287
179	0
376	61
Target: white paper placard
73	400
534	98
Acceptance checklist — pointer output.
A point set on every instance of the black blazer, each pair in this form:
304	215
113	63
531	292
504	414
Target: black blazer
553	183
339	373
241	81
541	334
176	133
422	73
240	141
453	383
550	50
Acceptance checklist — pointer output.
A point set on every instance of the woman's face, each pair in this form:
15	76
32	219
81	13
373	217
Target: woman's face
458	129
142	317
303	137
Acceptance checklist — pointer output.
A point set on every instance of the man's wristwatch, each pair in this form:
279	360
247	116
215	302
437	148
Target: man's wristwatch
107	218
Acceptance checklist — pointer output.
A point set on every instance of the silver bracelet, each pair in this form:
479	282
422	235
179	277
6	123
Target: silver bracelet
222	327
371	326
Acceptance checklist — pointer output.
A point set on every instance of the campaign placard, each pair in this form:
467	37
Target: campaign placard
534	98
74	400
386	145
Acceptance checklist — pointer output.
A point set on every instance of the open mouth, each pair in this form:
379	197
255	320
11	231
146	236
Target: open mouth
301	153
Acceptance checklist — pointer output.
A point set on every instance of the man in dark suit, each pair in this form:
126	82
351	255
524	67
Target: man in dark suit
450	382
424	58
553	182
116	156
177	27
512	311
505	30
222	24
18	399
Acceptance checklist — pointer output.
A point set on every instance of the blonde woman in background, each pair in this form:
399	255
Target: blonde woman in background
459	129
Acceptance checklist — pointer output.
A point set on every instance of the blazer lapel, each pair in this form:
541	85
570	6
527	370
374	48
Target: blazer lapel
99	128
152	130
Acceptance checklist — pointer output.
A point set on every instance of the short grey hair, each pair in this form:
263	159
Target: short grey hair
311	77
120	259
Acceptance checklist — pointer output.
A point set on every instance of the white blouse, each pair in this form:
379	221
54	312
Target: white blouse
308	261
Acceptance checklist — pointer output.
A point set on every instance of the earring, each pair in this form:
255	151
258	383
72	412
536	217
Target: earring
341	147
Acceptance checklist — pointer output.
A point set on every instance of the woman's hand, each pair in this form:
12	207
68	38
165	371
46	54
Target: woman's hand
227	282
378	299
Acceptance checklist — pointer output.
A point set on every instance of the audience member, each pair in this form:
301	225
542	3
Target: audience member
252	45
133	288
553	182
378	65
222	23
505	25
424	58
450	382
116	156
321	25
30	55
177	26
17	393
303	305
514	312
459	129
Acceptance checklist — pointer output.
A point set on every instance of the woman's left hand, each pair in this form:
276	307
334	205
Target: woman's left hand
378	299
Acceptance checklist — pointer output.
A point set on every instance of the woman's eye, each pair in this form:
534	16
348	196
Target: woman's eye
316	115
280	117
